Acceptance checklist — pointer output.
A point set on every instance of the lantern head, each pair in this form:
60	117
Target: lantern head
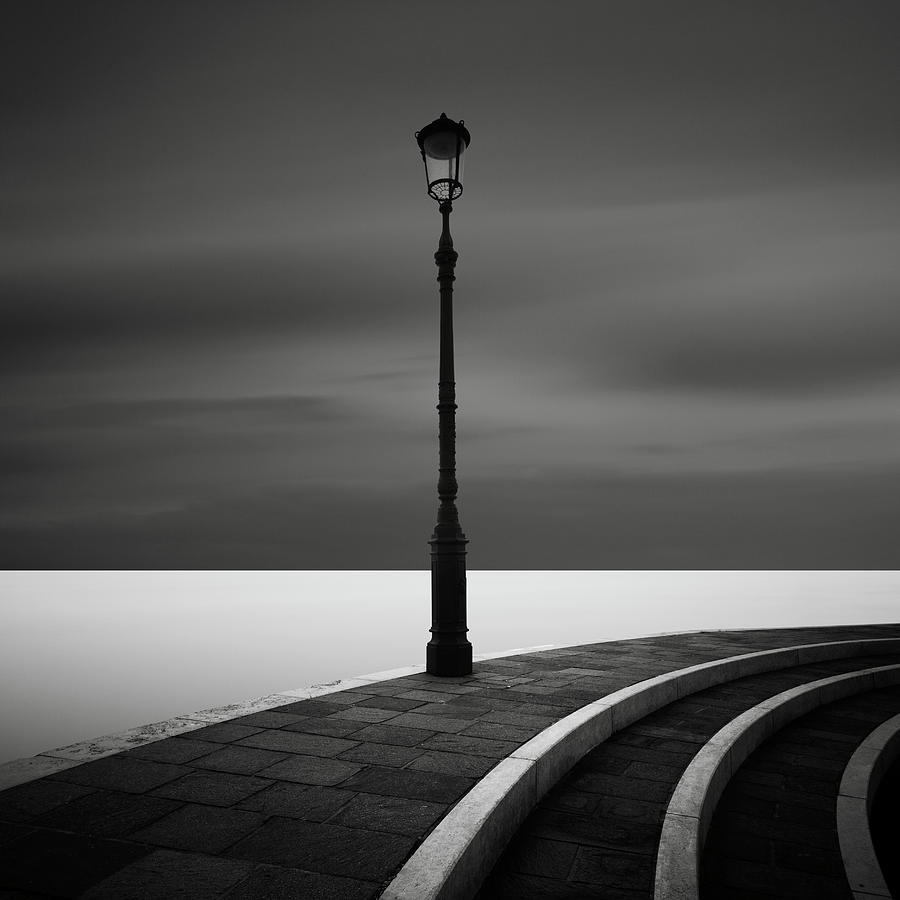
443	144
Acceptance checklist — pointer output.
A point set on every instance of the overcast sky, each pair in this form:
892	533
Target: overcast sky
677	298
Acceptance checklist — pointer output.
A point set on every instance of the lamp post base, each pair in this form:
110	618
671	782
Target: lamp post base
448	659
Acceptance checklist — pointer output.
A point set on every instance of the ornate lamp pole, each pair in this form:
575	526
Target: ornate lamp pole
449	652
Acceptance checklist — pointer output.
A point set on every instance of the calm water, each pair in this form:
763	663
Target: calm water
88	653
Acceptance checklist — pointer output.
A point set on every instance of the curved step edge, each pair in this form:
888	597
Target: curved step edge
700	788
453	861
859	785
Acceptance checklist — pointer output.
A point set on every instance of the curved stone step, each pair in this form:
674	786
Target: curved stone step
460	853
691	807
775	830
883	827
859	786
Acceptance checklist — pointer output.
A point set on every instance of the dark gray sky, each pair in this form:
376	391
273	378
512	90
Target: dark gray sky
677	310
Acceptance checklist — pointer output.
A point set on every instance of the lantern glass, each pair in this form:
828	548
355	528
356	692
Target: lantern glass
443	145
443	166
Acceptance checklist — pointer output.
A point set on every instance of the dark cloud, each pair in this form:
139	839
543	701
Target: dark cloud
241	413
71	463
47	318
817	343
764	292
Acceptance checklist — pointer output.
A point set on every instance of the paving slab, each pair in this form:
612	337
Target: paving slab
325	848
271	882
122	773
329	727
204	829
382	754
297	742
212	788
307	769
394	815
413	784
238	760
467	765
174	751
165	874
107	814
395	735
298	801
222	733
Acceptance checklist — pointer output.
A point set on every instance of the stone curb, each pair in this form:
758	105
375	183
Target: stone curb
30	768
859	785
457	856
694	800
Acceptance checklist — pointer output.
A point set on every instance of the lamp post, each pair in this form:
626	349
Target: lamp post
443	143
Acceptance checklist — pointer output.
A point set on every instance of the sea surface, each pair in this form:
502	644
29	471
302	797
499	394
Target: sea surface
88	653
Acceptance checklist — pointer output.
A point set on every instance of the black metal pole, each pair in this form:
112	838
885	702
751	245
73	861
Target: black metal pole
449	651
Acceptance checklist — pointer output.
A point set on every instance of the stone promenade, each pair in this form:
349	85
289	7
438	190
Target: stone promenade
328	797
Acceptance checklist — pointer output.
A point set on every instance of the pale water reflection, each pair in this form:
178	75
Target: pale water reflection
87	653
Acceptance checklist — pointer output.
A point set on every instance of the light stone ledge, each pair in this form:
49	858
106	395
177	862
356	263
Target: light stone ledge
30	768
559	746
859	785
672	867
554	751
692	805
639	700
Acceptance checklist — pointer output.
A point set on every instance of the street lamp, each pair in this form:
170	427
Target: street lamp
449	652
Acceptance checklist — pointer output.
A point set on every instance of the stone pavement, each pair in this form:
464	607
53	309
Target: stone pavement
596	833
324	798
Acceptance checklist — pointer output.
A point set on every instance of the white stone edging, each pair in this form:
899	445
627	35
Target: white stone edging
30	768
700	788
859	785
452	862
